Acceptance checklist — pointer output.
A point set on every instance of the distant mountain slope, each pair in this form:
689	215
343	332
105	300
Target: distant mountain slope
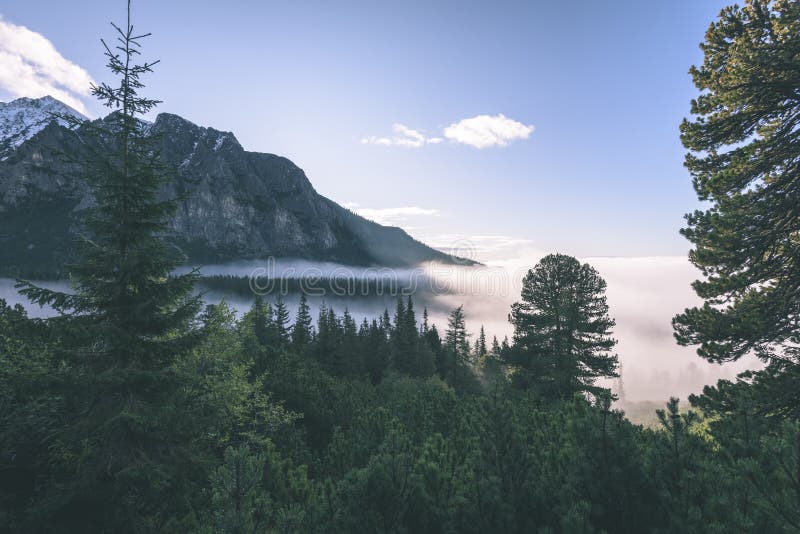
237	204
25	117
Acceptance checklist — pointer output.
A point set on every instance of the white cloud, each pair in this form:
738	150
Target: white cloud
481	131
31	66
392	216
403	136
494	250
485	131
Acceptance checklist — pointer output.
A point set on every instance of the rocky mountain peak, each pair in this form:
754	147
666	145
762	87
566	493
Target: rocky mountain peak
235	204
24	117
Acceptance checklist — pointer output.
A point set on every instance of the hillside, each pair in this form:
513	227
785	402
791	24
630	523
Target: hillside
235	204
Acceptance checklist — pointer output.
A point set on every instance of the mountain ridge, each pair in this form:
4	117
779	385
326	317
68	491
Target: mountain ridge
234	205
24	117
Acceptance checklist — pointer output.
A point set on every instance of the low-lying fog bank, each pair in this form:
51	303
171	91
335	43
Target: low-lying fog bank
643	294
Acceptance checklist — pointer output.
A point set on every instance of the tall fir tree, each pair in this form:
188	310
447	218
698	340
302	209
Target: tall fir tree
456	345
261	316
127	322
385	324
403	337
496	350
480	345
239	504
434	341
302	332
350	357
376	351
281	321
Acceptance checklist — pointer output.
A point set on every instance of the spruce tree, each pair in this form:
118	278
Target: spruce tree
302	330
281	321
261	316
434	341
495	347
480	345
351	361
456	346
562	331
403	337
239	504
385	324
376	351
125	324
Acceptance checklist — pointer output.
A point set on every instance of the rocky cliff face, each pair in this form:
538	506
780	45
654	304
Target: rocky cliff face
236	205
25	117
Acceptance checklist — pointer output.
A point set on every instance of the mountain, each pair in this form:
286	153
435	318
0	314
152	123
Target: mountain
235	204
25	117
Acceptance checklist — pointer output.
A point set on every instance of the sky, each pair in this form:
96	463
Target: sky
582	102
501	130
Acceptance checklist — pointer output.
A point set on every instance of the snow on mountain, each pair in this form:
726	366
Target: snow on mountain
24	117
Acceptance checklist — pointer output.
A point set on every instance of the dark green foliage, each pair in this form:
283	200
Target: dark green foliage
33	222
456	361
375	348
263	327
562	331
481	350
118	454
281	320
411	354
406	453
239	503
132	412
302	332
744	148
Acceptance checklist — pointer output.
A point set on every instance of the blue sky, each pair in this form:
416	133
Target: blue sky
603	84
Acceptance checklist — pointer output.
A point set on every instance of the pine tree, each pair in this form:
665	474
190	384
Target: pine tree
457	345
424	360
302	330
677	427
399	317
562	329
350	358
743	161
261	315
480	345
281	321
403	337
239	504
495	347
376	351
258	335
124	326
434	341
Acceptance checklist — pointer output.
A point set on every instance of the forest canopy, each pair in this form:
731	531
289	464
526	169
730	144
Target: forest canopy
141	408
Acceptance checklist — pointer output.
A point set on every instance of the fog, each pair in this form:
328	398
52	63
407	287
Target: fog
644	293
9	293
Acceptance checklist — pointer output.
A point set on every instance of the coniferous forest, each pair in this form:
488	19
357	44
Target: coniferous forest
140	407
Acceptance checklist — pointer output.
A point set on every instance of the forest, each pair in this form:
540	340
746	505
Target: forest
140	407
